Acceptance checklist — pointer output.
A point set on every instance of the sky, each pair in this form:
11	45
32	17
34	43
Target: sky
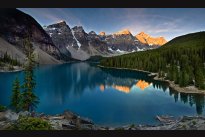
166	22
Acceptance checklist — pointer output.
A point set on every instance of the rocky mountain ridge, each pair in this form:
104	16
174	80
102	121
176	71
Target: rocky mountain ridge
147	39
83	46
57	43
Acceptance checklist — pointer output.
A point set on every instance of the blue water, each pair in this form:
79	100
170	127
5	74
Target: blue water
107	96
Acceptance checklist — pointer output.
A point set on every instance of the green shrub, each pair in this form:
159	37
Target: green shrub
2	108
31	123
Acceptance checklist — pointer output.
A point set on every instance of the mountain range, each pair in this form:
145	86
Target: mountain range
82	45
57	43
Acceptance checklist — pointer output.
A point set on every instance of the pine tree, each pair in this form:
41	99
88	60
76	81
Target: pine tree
29	99
177	76
199	79
184	79
16	96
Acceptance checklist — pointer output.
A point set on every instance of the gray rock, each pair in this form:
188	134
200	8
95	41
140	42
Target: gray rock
2	116
4	125
11	116
60	124
86	121
24	113
69	115
55	124
68	126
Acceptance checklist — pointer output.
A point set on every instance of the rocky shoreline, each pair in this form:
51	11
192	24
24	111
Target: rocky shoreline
14	69
176	87
71	121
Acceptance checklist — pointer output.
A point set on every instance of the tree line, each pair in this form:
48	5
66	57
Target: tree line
6	58
180	60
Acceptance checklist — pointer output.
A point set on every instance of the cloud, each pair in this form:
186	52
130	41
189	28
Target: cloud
156	22
69	17
46	16
140	20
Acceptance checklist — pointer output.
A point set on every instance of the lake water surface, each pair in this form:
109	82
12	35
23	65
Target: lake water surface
109	97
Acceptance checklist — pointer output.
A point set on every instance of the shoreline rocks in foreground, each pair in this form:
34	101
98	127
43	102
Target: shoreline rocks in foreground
71	121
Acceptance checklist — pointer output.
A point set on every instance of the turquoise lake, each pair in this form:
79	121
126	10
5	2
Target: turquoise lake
108	97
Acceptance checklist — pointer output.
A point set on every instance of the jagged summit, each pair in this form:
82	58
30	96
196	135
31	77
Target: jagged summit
147	39
78	29
123	32
58	24
82	45
61	21
102	33
92	33
143	34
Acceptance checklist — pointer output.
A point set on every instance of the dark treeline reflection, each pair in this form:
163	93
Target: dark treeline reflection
74	78
79	76
191	99
135	75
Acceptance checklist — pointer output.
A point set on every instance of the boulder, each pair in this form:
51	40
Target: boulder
86	121
24	113
11	116
69	115
68	126
2	116
5	125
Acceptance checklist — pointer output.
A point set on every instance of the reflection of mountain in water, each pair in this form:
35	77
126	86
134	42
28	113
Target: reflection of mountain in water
145	81
120	88
134	75
77	77
142	84
126	89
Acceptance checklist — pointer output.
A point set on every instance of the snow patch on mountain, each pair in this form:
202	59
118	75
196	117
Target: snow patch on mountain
78	43
138	49
50	34
61	21
110	49
121	51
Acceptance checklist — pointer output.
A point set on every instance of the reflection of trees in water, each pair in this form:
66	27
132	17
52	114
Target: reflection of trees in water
65	79
133	75
199	101
160	85
121	73
79	76
192	99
